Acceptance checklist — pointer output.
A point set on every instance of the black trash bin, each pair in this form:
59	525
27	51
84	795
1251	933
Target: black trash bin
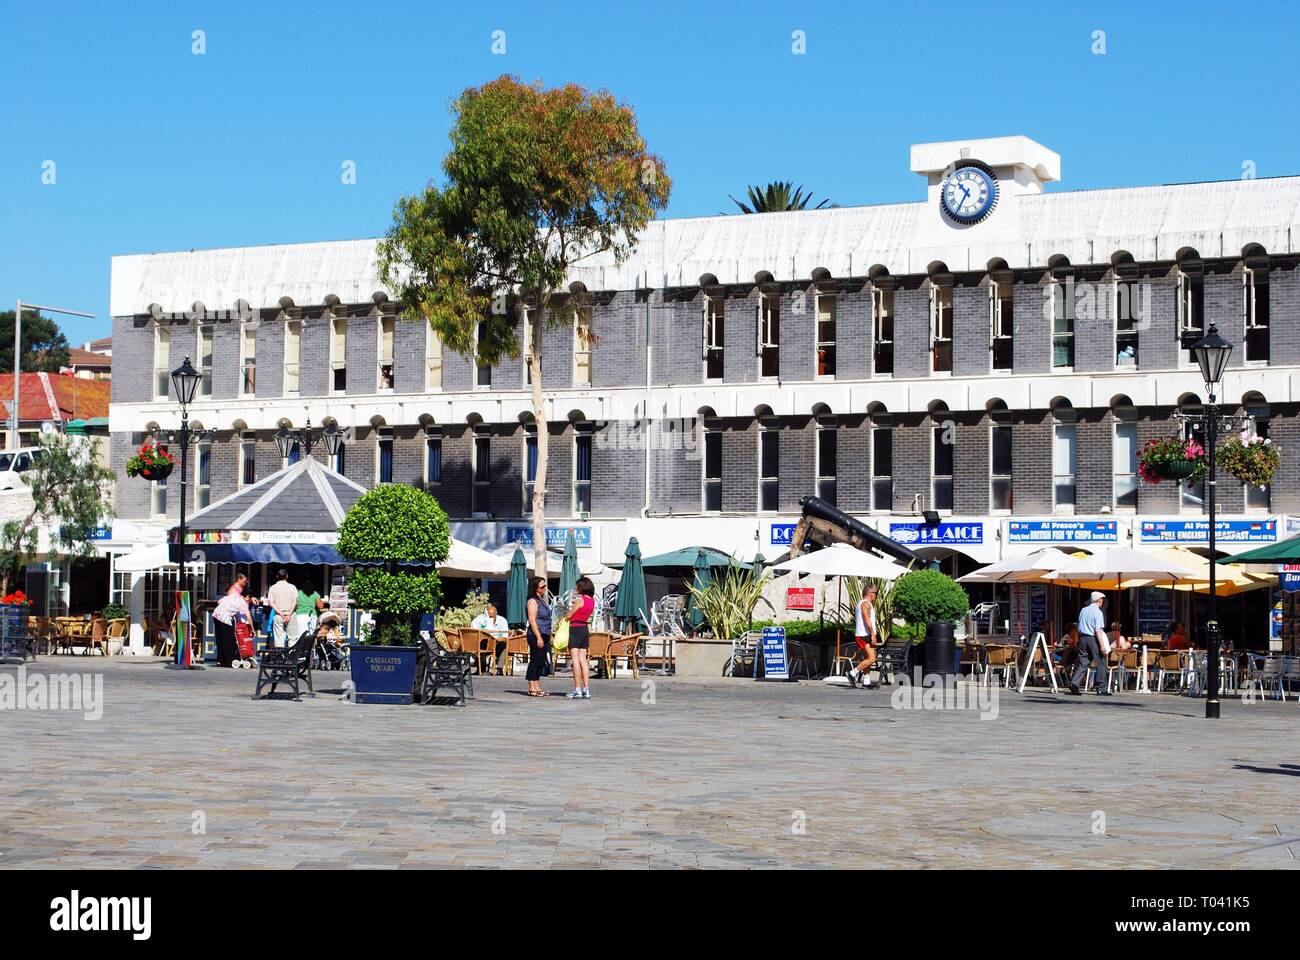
940	649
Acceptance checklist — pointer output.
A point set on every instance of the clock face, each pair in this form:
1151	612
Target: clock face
968	194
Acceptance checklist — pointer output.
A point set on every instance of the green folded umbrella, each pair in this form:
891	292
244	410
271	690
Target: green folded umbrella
703	577
759	563
631	604
569	568
517	590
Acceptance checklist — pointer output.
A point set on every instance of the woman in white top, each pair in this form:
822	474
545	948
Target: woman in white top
865	633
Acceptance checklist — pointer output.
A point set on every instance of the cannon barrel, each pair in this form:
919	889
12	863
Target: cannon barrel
815	507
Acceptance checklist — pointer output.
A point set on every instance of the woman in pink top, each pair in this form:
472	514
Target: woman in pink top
580	637
229	607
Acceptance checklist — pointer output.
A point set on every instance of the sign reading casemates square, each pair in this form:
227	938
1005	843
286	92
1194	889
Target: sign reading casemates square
1198	531
937	534
1062	531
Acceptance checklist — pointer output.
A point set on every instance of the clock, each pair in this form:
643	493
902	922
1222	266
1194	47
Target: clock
968	193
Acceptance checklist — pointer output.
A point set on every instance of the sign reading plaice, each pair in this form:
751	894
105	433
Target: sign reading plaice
937	534
1062	531
1198	531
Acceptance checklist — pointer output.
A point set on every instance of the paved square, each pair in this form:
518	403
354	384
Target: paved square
725	773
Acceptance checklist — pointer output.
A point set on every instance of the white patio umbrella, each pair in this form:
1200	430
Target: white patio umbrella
467	560
1031	568
1120	568
842	560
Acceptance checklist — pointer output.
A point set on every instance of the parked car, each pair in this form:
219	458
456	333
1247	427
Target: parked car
14	463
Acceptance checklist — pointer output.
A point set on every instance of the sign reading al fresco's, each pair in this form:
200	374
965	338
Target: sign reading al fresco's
1198	531
938	534
555	536
1062	531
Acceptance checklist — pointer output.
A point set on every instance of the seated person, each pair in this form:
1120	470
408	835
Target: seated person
489	621
1178	638
330	638
1117	640
1066	651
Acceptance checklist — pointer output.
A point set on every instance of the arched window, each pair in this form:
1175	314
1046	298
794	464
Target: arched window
1124	454
1256	407
1191	496
1064	457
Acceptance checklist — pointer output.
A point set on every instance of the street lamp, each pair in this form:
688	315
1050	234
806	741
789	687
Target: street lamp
1211	353
285	439
185	381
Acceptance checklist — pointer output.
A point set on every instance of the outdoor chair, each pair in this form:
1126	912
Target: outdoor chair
445	670
971	663
480	645
41	631
1290	674
516	649
286	665
893	657
1263	673
846	652
744	655
598	651
624	648
118	629
1003	660
1169	663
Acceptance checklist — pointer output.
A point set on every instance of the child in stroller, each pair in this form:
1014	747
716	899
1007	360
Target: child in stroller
331	648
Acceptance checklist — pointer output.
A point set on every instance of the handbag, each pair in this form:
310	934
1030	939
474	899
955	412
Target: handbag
560	636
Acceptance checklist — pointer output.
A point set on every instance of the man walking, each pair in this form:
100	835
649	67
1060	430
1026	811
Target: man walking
284	607
866	636
1092	641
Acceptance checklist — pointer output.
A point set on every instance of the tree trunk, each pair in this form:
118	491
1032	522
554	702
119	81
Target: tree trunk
543	437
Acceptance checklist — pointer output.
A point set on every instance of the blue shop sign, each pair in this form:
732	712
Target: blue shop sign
1198	531
1290	582
555	536
1062	531
938	534
781	534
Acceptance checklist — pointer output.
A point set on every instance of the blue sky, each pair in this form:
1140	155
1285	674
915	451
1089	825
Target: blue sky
159	149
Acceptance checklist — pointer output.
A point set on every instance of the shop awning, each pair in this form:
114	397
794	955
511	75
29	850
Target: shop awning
1284	551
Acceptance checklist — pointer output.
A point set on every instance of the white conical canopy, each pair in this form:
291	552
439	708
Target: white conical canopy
842	560
1030	568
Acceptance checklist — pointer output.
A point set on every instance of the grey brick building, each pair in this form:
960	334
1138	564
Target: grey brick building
990	371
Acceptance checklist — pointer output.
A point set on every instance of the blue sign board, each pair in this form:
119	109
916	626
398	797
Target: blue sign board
1290	582
555	536
1062	531
937	534
1198	531
781	534
775	664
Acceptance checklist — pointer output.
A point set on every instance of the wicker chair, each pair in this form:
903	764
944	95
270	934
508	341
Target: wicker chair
623	648
598	651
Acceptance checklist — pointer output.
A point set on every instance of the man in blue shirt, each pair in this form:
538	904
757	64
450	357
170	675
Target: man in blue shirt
1092	635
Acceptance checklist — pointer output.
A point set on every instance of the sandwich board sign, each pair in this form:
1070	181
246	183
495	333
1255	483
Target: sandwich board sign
776	665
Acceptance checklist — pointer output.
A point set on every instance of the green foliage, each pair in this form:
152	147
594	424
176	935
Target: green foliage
1252	463
114	611
395	522
450	618
778	195
71	496
928	596
536	181
911	632
45	348
728	600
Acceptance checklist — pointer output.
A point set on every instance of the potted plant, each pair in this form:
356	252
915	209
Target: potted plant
1170	458
395	534
152	462
1253	462
14	608
727	604
937	601
111	612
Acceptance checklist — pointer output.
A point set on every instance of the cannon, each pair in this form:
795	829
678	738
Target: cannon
825	524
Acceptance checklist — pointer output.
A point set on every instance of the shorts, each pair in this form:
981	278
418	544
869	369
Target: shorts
862	643
579	637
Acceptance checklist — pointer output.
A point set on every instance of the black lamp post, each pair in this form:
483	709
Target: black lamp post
1211	353
185	381
306	439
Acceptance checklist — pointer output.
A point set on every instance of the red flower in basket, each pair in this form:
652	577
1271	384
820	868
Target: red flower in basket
17	598
151	461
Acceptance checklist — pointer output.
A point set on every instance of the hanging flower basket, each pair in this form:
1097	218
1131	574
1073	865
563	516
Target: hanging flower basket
151	462
1170	458
1253	462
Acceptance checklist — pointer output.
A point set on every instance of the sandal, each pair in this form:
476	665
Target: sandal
539	693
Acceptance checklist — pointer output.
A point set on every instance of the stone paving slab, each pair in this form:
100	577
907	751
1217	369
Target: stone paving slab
657	773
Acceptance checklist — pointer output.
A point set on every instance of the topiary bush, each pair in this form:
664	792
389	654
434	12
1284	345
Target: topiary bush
390	525
928	596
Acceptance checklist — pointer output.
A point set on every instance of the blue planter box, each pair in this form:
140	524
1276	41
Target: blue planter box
383	674
14	643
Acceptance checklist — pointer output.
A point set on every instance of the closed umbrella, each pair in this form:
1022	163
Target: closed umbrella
703	577
517	590
569	567
759	563
631	603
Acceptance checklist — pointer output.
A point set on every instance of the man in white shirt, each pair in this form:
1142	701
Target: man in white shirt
283	597
491	622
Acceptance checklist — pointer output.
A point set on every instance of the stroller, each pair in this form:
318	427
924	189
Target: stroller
331	651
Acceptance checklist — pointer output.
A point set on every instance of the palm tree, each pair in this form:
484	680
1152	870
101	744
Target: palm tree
780	195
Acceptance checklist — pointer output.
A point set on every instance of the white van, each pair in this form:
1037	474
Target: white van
14	463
